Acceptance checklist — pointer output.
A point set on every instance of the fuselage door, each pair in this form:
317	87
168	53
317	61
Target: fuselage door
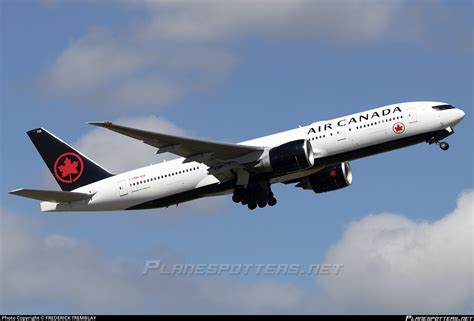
412	115
123	190
340	133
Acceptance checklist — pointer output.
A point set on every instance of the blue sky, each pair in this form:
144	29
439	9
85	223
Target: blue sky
232	72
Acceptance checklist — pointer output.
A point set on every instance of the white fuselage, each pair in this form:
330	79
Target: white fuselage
336	140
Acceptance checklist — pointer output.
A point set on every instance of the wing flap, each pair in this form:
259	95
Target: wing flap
51	196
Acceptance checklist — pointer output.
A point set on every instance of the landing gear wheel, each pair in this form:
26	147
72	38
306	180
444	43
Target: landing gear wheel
444	145
236	198
272	201
262	204
252	206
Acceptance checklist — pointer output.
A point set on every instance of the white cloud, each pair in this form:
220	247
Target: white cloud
65	273
180	48
343	21
119	153
393	264
55	269
116	74
59	241
92	62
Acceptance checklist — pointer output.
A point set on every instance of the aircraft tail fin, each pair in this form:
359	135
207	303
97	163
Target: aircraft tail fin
70	168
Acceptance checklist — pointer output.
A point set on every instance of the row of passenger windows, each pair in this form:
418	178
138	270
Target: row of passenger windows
362	126
164	176
378	122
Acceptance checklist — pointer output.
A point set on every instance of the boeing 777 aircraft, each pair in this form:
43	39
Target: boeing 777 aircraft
314	157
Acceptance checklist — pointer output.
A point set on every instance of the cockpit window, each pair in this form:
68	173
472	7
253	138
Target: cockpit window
443	107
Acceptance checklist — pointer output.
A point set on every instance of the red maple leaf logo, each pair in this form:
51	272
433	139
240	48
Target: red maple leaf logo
68	168
398	128
71	167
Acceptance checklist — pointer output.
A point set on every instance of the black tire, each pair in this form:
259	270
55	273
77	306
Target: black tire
444	146
236	198
262	204
252	206
272	202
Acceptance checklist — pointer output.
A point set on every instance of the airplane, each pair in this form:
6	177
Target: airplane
314	157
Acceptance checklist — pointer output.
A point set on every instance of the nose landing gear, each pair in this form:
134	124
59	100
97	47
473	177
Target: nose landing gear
436	139
443	145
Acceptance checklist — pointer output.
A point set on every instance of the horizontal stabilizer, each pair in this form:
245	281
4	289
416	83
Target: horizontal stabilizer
51	196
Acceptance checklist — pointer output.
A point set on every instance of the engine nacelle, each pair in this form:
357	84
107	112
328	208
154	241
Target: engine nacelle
289	157
329	179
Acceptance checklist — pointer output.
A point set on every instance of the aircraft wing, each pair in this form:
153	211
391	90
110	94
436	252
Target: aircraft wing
51	196
208	152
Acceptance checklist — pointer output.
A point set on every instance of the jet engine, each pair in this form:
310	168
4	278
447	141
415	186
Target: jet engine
289	157
328	179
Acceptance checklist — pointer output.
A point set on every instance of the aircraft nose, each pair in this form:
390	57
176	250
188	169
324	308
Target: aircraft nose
457	116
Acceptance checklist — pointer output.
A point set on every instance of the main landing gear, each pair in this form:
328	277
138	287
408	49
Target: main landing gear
256	194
